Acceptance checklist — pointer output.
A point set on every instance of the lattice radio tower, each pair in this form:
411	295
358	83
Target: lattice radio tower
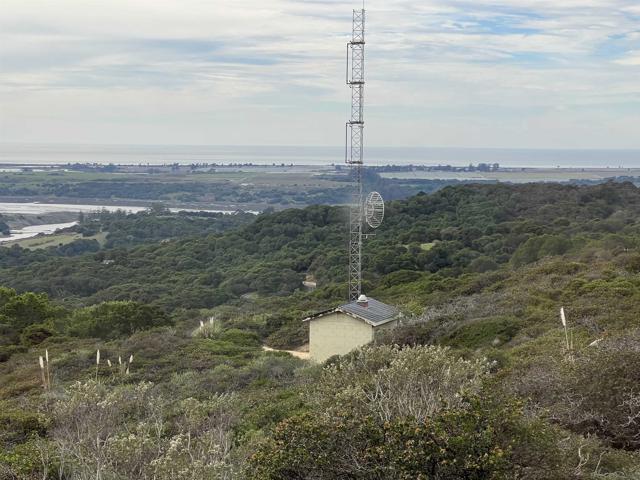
354	148
370	211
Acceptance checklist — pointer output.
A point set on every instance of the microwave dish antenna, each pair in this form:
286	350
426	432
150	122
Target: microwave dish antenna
374	210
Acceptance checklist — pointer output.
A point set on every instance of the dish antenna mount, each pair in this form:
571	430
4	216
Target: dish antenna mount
370	211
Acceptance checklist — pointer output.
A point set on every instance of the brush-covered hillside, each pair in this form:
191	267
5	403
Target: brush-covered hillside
482	381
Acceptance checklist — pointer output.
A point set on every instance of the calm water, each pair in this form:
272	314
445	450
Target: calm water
35	208
35	230
42	154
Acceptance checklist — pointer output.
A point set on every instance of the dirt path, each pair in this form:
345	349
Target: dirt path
301	355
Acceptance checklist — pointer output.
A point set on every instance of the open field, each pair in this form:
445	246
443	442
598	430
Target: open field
520	175
263	175
54	240
299	175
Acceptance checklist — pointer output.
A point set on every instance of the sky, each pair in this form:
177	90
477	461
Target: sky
476	73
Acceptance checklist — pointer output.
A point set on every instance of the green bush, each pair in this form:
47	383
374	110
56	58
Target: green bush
538	247
8	334
36	334
473	443
240	337
111	320
484	332
482	265
7	351
30	460
18	425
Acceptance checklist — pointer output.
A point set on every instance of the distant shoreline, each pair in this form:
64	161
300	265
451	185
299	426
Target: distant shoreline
17	167
303	173
152	155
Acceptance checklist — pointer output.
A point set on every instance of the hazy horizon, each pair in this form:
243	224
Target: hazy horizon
42	154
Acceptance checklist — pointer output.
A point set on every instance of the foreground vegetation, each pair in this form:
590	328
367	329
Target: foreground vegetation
481	382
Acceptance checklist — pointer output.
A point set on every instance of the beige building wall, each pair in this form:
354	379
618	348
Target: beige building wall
387	326
337	334
380	331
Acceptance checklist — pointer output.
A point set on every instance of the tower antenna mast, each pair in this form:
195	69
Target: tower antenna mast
354	148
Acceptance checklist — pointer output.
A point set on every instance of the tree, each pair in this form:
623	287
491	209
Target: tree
27	309
110	320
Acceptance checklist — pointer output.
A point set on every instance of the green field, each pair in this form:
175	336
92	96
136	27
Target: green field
55	240
519	175
272	176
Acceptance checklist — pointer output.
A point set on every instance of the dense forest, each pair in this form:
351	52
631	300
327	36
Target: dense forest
480	382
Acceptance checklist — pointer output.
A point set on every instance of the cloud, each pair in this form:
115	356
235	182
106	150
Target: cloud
278	66
631	59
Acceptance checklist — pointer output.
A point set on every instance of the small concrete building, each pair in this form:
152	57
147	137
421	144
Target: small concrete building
347	327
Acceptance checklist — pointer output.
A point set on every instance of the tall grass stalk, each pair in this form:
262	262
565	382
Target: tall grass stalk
568	338
44	380
48	372
97	363
563	319
208	329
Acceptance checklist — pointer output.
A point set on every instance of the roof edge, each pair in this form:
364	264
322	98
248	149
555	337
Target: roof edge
320	314
352	315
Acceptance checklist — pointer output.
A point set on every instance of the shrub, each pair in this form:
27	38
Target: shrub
538	247
595	392
9	350
18	425
36	334
475	442
388	382
131	431
602	391
482	333
110	320
482	265
240	337
33	459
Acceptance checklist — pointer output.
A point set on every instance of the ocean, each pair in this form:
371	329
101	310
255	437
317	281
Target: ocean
47	154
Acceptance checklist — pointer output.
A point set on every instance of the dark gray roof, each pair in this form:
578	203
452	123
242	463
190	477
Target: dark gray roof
375	314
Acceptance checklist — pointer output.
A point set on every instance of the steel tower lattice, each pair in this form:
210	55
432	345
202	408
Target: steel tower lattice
354	148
